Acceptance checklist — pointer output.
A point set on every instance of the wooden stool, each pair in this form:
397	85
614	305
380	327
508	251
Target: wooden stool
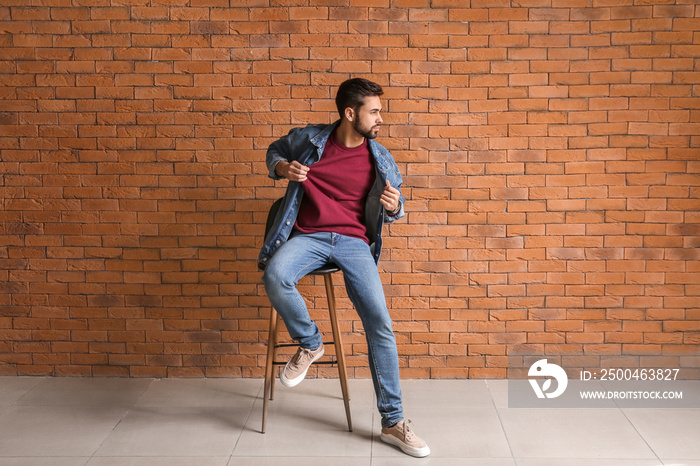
272	345
327	271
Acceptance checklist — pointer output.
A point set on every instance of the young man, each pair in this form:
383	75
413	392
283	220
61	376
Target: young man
342	187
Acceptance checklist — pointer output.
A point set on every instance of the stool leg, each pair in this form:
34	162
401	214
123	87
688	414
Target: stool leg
269	364
275	372
339	353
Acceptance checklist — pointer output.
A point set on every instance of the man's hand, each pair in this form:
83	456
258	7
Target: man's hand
390	198
292	171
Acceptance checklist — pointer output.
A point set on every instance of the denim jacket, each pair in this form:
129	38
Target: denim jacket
306	146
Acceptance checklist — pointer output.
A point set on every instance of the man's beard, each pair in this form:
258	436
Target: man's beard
368	133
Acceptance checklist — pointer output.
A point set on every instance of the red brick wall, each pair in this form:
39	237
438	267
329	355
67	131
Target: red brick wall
550	152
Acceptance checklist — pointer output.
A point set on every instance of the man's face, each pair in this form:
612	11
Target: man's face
368	120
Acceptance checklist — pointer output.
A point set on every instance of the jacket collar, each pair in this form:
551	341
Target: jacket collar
321	138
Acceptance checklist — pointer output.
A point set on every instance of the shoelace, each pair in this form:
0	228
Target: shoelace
407	431
302	354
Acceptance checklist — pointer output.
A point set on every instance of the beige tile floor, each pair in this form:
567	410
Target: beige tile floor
216	422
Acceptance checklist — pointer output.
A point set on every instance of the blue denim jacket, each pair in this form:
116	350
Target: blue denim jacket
306	146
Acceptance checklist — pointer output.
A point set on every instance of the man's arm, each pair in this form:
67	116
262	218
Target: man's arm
278	151
282	156
283	151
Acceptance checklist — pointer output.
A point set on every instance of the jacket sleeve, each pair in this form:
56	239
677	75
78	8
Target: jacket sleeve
388	218
285	148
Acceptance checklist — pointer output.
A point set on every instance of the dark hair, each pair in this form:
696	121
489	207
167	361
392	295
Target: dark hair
352	92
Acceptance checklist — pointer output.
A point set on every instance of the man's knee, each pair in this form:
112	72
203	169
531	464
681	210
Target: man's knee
379	324
272	276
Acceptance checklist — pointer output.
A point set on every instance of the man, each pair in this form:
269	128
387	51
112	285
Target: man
342	187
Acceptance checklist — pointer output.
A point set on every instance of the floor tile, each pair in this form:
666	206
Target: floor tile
55	430
14	388
157	461
297	430
323	392
452	394
671	433
572	433
69	391
214	393
298	461
499	392
453	433
433	461
584	462
40	461
181	432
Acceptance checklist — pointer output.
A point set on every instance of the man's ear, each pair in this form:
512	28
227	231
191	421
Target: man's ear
349	114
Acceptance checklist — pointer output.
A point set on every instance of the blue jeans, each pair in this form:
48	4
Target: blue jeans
304	253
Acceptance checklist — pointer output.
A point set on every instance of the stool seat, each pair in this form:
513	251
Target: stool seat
325	269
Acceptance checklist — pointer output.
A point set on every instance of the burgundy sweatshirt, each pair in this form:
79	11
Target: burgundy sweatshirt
336	190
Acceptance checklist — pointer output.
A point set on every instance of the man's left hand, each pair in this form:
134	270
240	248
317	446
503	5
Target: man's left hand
390	197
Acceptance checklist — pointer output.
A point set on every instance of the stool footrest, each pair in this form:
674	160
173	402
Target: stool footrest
282	363
333	359
289	345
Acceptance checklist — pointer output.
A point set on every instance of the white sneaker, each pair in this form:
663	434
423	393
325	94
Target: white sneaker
402	436
297	367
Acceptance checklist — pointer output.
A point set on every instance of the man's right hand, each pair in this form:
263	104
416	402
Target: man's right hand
292	171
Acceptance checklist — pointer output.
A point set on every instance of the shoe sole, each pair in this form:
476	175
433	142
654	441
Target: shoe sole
296	381
409	450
